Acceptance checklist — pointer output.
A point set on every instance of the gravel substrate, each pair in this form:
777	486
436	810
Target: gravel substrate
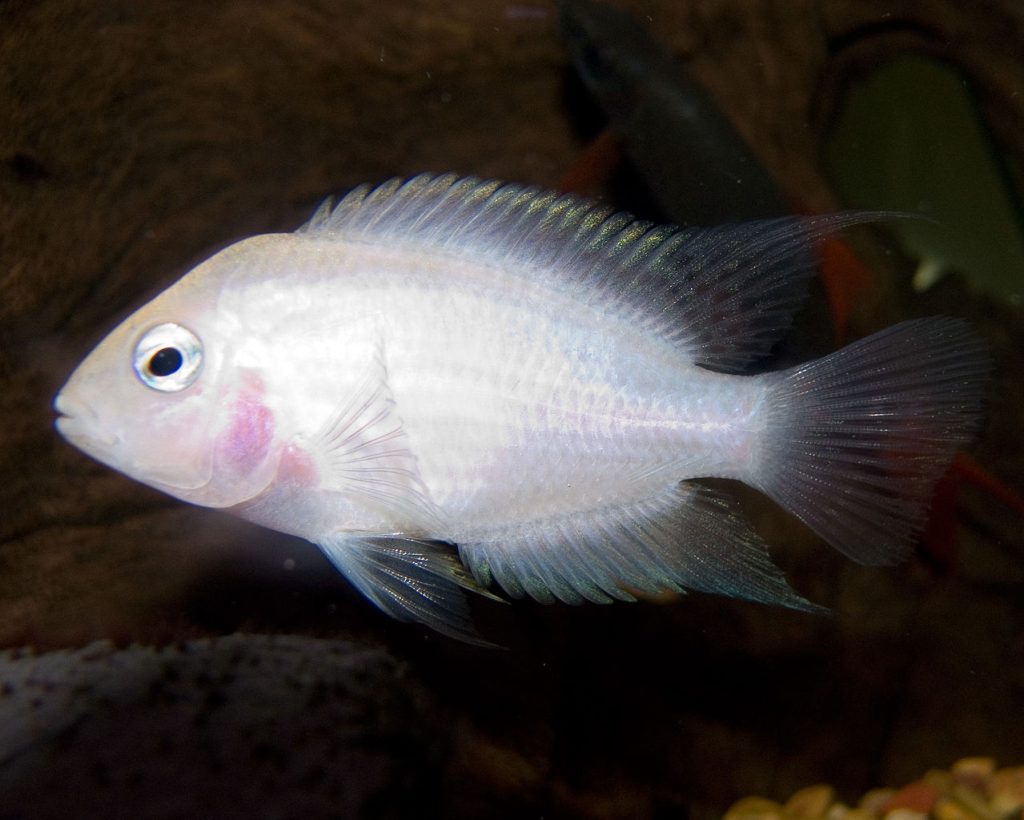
973	789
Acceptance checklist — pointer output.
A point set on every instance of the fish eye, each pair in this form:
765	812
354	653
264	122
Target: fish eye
168	357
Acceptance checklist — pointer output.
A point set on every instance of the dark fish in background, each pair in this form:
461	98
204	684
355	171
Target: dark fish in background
698	168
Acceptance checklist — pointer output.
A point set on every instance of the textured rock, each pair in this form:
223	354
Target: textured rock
241	726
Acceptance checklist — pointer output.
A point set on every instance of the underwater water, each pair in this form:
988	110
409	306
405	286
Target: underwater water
240	674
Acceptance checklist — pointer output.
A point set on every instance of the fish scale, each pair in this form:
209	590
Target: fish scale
541	396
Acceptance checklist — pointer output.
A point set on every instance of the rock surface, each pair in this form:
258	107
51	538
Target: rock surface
214	728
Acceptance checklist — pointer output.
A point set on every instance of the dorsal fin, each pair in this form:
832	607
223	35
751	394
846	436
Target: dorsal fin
723	296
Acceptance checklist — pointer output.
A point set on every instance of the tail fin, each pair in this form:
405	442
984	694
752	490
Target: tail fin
856	440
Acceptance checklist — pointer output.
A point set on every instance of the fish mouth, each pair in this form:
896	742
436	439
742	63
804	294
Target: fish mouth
79	425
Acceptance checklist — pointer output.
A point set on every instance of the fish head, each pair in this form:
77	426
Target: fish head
160	399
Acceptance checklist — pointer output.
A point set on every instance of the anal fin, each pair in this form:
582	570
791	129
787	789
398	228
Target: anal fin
688	537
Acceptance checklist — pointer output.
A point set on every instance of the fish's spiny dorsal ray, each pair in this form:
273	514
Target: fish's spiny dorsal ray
722	296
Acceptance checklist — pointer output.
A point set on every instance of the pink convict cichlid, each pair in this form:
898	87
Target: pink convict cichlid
447	383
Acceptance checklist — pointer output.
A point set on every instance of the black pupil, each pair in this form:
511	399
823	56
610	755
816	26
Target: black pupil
165	361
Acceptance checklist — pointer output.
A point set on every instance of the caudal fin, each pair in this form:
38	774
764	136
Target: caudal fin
856	441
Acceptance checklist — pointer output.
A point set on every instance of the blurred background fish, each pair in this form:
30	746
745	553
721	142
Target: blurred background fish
698	168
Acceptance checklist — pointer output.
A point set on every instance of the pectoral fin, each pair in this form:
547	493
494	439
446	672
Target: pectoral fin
363	451
410	580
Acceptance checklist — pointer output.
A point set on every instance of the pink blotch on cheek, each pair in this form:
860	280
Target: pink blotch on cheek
246	440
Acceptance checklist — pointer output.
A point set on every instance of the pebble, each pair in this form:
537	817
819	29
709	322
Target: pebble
917	797
755	808
1007	789
974	788
810	803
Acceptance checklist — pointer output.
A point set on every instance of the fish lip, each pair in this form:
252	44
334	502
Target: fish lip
66	407
78	424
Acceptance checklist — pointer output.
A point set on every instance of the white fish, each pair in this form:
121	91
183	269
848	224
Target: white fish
446	383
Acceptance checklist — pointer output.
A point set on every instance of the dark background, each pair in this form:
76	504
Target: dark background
138	138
